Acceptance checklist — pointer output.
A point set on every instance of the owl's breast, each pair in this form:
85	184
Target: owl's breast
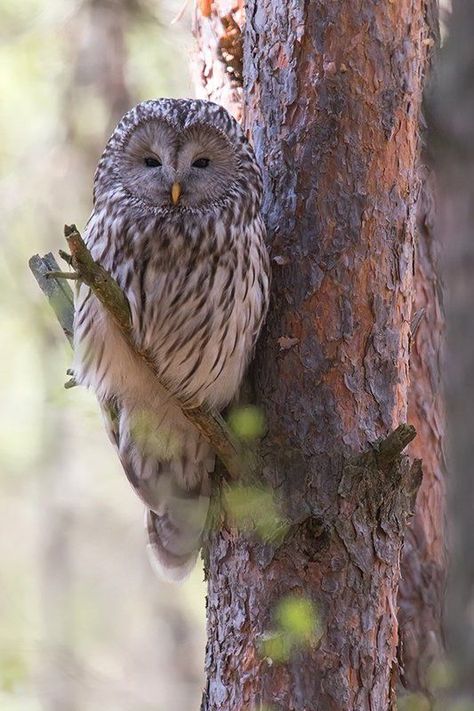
197	307
199	315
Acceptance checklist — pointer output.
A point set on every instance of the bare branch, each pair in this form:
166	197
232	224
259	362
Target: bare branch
237	459
58	293
72	276
387	450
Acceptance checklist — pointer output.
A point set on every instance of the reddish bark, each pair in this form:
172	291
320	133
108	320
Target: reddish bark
453	111
422	584
423	580
218	69
332	98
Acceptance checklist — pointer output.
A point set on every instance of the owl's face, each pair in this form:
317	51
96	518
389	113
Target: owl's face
168	166
177	158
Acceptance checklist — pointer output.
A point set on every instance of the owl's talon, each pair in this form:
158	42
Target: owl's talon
72	383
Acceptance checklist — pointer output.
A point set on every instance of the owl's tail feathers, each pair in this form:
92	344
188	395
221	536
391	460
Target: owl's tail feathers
175	533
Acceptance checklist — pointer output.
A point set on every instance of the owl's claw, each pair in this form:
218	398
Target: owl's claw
72	383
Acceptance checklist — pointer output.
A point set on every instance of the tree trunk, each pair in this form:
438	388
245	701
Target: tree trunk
332	95
423	580
422	584
218	68
453	109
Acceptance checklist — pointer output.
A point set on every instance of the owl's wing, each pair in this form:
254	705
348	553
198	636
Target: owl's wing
175	491
110	414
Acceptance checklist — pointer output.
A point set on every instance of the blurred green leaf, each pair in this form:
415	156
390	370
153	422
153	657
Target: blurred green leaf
298	618
413	702
255	509
247	422
297	624
277	647
13	670
441	675
160	443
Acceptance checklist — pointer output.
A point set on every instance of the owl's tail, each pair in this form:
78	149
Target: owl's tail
169	467
175	530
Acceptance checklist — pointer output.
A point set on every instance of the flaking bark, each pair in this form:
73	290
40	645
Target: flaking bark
452	111
219	63
424	560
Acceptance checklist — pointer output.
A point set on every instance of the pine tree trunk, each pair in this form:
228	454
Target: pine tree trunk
453	112
332	94
423	580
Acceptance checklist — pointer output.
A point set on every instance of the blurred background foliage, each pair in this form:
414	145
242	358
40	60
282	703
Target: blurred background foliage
84	622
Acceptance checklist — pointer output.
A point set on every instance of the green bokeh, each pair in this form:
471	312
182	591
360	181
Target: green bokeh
297	625
247	422
255	509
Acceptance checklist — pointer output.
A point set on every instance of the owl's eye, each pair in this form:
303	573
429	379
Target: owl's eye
201	163
152	162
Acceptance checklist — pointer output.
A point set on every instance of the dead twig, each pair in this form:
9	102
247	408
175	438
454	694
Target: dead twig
236	457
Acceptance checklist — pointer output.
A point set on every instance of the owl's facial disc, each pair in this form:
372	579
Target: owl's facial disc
171	168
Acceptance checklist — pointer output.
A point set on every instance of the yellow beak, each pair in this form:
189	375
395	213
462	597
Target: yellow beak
175	193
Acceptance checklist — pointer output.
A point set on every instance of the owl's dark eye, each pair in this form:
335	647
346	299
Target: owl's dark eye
152	162
201	163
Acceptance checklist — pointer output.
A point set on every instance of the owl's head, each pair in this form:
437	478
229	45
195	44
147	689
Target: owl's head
177	154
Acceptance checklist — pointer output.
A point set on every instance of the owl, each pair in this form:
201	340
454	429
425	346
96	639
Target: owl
176	221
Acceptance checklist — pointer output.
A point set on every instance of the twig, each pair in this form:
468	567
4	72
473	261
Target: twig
388	449
62	275
59	293
237	459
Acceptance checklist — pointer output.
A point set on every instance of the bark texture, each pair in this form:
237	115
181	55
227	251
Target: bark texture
453	111
332	95
423	580
218	68
422	584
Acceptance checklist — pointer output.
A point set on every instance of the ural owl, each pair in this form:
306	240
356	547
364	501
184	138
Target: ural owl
177	222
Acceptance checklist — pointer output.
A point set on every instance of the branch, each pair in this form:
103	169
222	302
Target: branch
387	450
237	459
59	294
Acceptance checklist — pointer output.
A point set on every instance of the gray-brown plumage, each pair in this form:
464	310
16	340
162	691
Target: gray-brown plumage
177	222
